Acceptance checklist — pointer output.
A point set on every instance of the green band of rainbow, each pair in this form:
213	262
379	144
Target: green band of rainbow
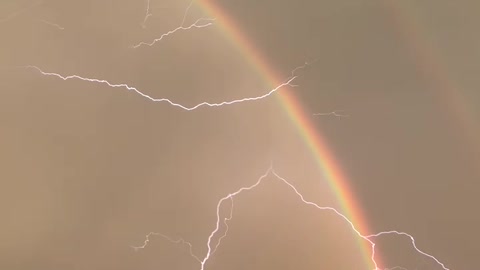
301	120
431	66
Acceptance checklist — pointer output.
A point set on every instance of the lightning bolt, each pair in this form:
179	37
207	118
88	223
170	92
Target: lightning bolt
215	237
226	226
396	268
53	24
178	241
413	244
147	15
334	113
200	23
186	12
288	82
212	246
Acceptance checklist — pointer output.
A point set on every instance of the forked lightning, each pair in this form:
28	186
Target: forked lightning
213	242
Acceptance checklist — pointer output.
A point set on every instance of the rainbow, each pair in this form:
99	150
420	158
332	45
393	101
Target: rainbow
428	61
323	156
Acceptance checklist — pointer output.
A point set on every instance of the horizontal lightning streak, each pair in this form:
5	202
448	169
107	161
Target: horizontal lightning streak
396	268
334	113
53	24
211	251
203	104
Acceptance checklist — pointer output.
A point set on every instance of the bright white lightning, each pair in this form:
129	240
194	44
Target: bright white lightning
172	103
211	250
413	244
200	23
213	245
226	226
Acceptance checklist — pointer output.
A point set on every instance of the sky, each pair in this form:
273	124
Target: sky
89	170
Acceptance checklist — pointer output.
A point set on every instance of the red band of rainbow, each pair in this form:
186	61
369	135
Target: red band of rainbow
315	142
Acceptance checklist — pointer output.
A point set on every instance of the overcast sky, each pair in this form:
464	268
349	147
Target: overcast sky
88	170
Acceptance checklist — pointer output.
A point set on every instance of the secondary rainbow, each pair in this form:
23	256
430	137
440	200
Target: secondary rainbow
301	120
431	66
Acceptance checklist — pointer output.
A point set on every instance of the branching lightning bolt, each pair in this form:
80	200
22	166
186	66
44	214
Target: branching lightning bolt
172	103
413	244
211	247
178	241
200	23
215	237
226	226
